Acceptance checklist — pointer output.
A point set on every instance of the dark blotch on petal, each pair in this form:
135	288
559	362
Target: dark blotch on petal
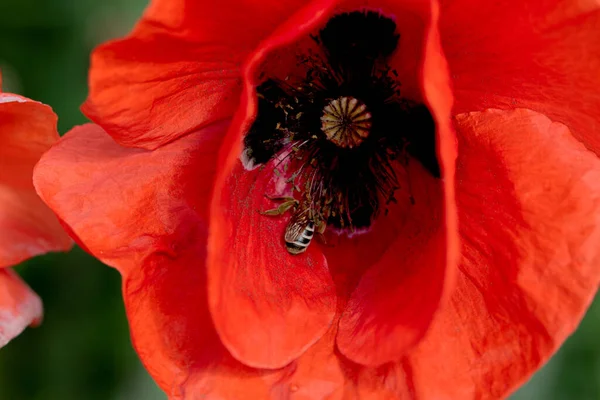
264	140
358	35
420	129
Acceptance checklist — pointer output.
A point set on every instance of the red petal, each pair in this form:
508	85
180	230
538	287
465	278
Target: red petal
29	228
178	71
144	213
170	324
317	374
268	305
396	298
227	379
392	381
19	306
544	57
395	301
125	204
529	206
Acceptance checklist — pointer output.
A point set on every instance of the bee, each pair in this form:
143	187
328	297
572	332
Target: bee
302	226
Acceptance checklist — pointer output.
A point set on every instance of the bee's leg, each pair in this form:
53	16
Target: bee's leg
320	227
279	210
320	230
287	203
280	199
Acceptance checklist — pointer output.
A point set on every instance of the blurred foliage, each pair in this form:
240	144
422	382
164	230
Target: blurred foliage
45	47
82	351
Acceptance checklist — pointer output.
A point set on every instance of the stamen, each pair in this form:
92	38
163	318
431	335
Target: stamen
342	129
346	121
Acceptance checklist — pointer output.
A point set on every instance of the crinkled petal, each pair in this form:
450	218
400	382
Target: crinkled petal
179	70
145	213
29	228
19	306
528	197
543	56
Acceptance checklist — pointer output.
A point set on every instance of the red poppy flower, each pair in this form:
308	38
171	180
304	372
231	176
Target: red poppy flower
229	133
29	228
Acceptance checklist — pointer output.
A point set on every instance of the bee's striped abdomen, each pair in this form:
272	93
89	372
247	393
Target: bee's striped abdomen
297	238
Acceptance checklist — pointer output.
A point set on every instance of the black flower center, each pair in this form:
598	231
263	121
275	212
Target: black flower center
341	131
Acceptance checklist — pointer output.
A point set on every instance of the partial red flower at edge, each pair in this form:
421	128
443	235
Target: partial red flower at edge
29	228
392	313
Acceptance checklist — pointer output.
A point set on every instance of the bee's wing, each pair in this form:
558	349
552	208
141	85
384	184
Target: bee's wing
296	226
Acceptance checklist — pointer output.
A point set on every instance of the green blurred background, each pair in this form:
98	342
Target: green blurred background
82	351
